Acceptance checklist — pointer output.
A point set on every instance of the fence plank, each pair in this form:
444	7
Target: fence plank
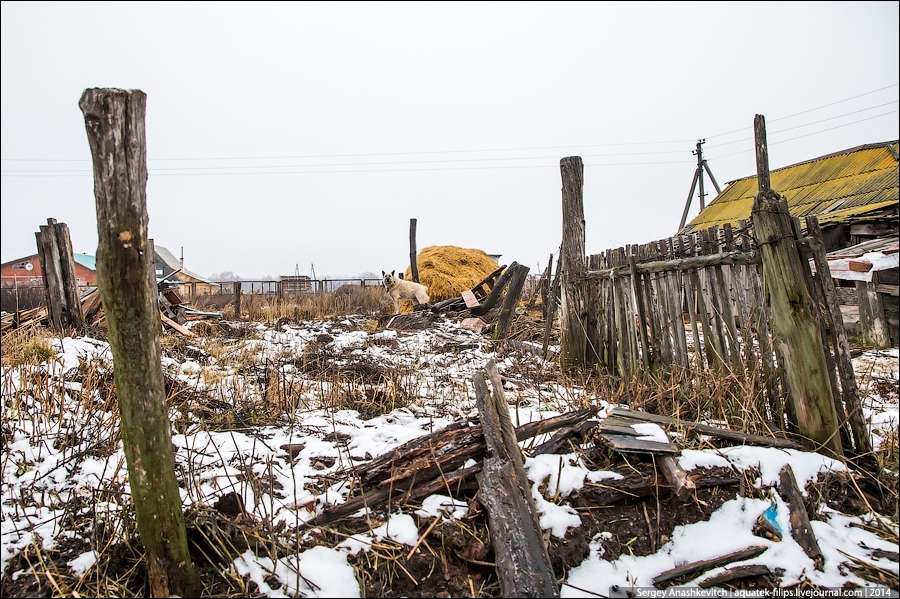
849	389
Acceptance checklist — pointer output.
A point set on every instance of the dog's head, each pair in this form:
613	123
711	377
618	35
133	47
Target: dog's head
389	279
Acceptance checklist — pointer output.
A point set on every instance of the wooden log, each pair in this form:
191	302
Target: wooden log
698	567
795	323
801	529
678	479
236	290
578	316
522	562
712	431
114	120
413	255
510	301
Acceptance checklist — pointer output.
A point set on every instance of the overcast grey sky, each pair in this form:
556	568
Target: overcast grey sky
284	134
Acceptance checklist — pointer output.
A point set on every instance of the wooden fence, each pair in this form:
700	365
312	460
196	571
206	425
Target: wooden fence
722	302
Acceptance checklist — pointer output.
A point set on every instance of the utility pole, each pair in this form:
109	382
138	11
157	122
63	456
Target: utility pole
698	179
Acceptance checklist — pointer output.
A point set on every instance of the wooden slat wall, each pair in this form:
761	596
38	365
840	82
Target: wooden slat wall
698	303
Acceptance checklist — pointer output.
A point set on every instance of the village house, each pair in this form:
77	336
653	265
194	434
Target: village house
171	268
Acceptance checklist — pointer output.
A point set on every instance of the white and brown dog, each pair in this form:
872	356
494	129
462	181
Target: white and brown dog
399	289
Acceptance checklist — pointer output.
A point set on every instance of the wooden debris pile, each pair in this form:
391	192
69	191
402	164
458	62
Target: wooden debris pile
484	455
174	312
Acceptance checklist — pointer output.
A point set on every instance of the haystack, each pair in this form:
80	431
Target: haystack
448	270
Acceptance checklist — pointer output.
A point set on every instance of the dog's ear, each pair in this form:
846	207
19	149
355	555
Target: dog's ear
383	273
393	273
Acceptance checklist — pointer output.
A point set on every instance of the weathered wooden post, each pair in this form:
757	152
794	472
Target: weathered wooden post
60	280
795	321
236	289
578	317
413	257
114	120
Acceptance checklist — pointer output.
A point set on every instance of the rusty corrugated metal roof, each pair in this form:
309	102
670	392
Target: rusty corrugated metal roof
832	187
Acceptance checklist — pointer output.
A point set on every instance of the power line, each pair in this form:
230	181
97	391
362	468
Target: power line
213	168
840	116
231	170
473	151
775	143
395	170
790	116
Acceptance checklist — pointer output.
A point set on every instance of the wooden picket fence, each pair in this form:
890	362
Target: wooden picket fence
743	304
698	302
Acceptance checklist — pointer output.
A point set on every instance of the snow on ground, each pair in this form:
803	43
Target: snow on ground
52	457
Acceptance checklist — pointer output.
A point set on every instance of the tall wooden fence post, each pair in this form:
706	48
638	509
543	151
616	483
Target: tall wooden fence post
794	316
60	279
413	255
579	337
114	120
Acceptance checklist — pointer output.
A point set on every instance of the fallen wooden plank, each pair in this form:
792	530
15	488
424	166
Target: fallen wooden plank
712	431
522	562
801	529
172	324
736	573
618	430
708	564
627	444
559	439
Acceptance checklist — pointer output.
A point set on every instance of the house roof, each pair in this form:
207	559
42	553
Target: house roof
835	187
175	264
86	260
